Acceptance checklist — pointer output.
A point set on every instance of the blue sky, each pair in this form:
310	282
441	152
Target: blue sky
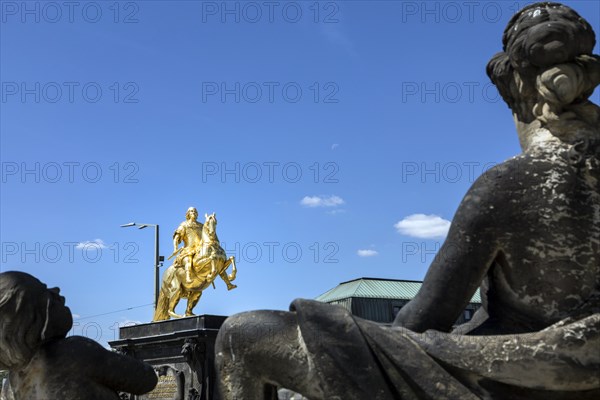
333	139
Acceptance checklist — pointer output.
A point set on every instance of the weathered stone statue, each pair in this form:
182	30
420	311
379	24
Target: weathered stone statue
43	363
196	267
527	233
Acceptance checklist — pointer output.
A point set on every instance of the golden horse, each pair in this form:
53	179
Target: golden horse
209	262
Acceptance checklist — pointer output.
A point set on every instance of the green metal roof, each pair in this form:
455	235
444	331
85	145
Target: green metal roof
379	289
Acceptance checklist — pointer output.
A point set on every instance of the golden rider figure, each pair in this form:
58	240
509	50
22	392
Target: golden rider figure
190	233
198	262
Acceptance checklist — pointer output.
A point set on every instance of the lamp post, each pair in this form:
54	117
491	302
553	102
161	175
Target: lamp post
157	257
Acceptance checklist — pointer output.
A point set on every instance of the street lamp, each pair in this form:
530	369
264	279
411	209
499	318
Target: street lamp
157	258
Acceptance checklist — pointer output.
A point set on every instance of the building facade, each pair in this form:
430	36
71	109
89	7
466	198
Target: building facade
380	300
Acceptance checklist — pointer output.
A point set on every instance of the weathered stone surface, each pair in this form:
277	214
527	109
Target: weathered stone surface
527	233
43	363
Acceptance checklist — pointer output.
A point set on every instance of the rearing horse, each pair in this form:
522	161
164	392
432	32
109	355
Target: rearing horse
209	261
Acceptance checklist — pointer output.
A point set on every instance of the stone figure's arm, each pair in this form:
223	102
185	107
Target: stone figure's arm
113	370
463	260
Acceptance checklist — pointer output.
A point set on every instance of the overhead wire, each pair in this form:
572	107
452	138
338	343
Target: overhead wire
113	312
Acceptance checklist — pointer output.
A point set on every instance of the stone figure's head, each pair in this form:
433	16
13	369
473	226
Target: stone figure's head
547	71
191	214
30	315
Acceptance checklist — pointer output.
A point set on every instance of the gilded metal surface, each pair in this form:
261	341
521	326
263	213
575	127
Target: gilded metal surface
196	265
190	233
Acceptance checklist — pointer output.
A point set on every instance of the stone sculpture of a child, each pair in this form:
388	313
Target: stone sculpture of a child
46	365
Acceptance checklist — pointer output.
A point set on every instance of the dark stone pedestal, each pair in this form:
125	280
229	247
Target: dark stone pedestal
181	351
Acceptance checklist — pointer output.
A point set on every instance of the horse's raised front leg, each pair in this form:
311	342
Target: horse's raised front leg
228	278
193	299
233	274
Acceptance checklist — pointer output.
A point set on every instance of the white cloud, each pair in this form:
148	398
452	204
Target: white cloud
76	316
321	201
128	322
93	244
335	146
366	253
423	226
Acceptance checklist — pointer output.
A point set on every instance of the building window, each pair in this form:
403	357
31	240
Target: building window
468	314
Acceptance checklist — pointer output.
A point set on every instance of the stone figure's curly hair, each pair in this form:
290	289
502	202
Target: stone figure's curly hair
23	318
538	37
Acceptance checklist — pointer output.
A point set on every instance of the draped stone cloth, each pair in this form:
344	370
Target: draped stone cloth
367	360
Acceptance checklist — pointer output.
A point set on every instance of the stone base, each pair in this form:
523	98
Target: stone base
180	350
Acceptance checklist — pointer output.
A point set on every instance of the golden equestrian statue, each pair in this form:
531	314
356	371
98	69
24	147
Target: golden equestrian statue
198	263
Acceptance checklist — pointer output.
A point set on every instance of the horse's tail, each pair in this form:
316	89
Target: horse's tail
162	306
